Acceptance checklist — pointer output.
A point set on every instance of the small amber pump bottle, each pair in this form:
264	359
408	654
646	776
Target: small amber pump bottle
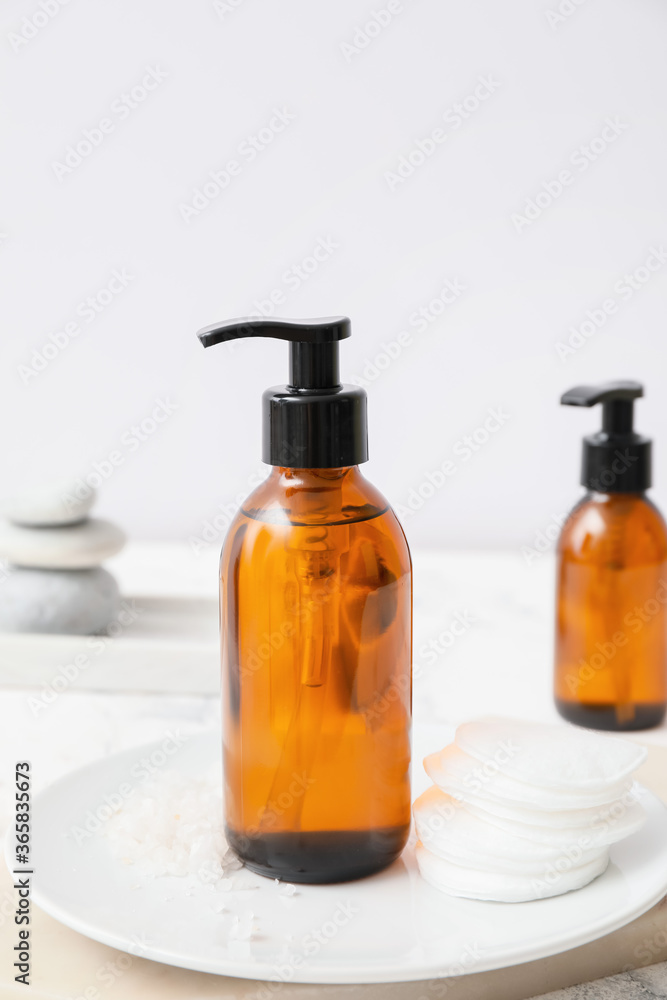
611	620
316	624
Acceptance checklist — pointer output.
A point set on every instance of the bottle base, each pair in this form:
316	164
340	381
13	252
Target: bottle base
612	718
320	856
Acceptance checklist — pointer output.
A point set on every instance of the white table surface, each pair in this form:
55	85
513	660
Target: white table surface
501	664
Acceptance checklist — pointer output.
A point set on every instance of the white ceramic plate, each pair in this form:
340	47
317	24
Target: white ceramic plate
390	927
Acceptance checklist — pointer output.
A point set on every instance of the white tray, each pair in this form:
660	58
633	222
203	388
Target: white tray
170	646
399	928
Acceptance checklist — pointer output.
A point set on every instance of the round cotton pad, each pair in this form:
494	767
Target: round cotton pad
608	828
562	819
446	828
550	756
456	771
458	880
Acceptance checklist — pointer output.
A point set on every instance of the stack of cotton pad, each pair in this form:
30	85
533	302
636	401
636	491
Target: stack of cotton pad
522	811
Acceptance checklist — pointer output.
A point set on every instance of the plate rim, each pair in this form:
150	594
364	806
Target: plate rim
331	973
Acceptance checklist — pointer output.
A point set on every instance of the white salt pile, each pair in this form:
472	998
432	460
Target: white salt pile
172	825
522	811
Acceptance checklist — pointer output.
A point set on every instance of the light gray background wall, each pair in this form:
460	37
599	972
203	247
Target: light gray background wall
556	71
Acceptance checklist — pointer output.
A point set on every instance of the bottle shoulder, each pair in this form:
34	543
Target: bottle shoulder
315	496
317	513
282	509
628	523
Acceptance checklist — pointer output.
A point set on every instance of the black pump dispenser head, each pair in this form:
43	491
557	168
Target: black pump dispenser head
615	460
314	422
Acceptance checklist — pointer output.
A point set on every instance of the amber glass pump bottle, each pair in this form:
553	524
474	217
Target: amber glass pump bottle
611	620
316	625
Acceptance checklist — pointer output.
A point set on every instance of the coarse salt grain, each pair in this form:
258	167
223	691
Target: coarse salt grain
172	825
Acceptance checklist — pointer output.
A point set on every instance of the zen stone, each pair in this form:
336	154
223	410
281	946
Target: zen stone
74	546
59	602
58	503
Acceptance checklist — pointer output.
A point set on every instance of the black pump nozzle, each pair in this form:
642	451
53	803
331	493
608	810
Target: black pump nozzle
617	400
313	344
615	460
314	422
